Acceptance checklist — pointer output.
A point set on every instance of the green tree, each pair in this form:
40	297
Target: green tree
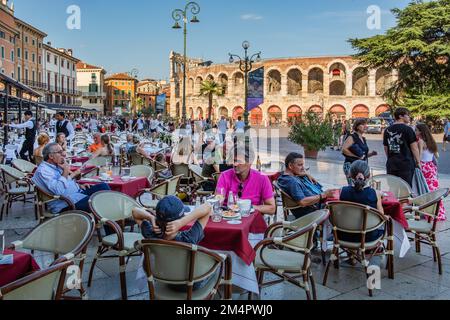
418	47
210	89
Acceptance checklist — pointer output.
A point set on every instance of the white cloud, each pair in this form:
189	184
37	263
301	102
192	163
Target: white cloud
251	16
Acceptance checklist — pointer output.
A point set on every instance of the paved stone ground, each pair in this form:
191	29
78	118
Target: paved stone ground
374	140
416	275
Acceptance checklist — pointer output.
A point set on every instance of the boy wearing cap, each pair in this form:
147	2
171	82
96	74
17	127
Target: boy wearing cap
170	218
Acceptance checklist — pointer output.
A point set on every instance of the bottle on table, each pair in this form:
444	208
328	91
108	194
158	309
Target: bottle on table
231	201
258	164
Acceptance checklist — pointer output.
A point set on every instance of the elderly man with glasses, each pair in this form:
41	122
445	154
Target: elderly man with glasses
246	183
54	176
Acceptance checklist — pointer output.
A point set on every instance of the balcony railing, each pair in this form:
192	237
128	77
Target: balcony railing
50	89
93	95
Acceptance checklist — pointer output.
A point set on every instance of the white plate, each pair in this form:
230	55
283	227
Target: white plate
235	222
78	164
237	216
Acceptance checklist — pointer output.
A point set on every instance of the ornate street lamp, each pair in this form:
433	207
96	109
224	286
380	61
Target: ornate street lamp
246	65
177	15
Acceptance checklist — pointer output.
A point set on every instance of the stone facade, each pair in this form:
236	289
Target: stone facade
293	86
90	81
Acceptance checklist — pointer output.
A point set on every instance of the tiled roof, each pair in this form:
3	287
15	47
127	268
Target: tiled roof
120	76
82	65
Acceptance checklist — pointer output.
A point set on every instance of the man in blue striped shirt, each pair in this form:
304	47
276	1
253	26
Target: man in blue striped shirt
54	177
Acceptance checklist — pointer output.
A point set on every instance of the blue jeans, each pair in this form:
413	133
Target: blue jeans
83	205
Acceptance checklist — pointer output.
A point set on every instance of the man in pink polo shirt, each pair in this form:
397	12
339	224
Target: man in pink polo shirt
246	183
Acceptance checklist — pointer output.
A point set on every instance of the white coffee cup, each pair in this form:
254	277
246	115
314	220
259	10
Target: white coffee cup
245	206
104	176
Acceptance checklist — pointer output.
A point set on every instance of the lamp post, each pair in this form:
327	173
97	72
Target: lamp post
177	15
246	65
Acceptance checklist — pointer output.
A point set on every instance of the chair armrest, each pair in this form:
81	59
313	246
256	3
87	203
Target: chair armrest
272	228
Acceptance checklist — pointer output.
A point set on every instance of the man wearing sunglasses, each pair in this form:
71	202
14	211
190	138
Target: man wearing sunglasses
54	176
246	183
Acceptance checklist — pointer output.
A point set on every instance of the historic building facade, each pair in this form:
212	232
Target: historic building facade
60	80
293	86
90	81
149	89
120	93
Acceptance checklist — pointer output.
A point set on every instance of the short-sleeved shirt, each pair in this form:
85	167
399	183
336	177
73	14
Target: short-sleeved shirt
398	139
299	188
192	236
447	129
256	188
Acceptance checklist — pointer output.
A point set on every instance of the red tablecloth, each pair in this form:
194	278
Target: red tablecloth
130	188
229	237
80	159
23	264
392	207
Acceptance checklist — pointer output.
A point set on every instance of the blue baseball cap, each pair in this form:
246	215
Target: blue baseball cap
170	209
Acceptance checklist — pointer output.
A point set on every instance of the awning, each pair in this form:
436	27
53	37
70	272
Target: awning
18	85
65	108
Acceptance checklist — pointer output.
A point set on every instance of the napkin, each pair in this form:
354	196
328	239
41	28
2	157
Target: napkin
7	259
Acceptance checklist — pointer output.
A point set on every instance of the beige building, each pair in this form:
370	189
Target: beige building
91	84
60	80
149	89
293	86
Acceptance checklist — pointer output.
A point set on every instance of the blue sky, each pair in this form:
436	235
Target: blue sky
122	35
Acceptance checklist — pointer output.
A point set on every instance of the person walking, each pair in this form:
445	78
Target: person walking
30	126
401	147
446	134
356	148
428	150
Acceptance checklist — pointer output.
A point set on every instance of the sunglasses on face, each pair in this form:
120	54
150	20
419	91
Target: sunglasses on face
241	188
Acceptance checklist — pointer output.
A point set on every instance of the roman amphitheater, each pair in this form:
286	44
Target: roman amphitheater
293	86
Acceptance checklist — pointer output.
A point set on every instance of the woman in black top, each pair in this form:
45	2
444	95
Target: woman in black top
356	148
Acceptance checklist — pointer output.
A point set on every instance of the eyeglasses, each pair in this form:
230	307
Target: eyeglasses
241	188
59	152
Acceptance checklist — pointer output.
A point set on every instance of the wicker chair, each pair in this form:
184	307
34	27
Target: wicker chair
24	166
168	264
43	285
286	251
422	219
399	187
288	203
142	171
159	191
43	199
15	185
182	169
199	181
113	209
138	160
359	220
66	235
99	161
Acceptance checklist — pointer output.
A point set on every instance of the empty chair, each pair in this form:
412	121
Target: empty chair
399	187
113	209
24	166
66	236
167	188
286	252
356	220
199	181
99	161
47	284
170	266
142	171
15	185
422	216
138	160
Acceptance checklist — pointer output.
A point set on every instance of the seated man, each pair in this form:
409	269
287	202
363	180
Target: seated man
97	143
301	187
54	177
170	219
246	183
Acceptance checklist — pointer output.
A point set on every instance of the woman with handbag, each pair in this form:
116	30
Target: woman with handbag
428	154
356	148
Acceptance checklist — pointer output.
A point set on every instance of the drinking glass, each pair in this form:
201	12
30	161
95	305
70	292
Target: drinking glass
2	243
217	215
126	172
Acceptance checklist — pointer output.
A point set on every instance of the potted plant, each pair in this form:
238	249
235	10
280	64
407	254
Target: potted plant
313	133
